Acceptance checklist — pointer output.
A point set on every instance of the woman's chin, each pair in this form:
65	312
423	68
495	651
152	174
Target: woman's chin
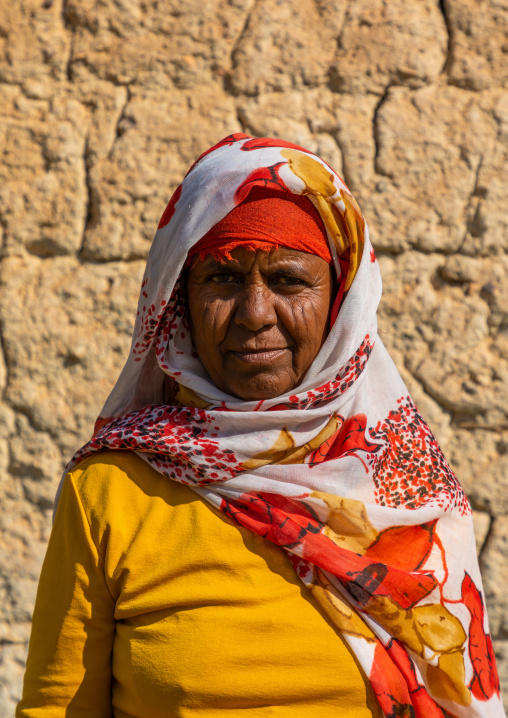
260	387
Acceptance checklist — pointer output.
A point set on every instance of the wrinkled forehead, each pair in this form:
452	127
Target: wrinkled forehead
244	260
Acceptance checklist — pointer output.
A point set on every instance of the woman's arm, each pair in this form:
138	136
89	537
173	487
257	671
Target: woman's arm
68	669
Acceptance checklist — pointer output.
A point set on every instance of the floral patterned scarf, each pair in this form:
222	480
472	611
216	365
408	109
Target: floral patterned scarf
343	474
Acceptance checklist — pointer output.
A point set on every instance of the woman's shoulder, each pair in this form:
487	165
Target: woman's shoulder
110	465
121	485
108	471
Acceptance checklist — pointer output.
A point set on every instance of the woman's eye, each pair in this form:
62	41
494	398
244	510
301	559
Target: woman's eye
290	281
221	278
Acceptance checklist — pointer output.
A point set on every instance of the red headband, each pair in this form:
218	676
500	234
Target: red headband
268	219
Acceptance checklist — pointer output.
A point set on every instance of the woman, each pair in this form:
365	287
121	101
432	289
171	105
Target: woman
259	432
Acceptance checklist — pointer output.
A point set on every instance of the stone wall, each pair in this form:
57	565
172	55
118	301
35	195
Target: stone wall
103	105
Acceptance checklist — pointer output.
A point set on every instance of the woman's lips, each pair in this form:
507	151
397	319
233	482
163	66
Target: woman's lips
260	356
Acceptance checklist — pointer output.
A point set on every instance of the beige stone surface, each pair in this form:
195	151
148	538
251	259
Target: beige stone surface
482	522
65	338
103	105
293	50
501	651
439	150
478	42
494	562
383	43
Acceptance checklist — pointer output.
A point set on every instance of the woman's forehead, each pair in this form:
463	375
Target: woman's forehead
244	259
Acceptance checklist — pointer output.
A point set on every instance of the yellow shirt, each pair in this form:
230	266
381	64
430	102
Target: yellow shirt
152	604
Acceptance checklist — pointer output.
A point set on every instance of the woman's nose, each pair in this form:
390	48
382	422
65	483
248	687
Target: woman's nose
255	307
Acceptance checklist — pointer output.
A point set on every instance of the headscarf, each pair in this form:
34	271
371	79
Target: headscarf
342	472
267	219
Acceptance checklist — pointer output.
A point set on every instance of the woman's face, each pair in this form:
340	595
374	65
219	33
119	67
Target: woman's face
258	320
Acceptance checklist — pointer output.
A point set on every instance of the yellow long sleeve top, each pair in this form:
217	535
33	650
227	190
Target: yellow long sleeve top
152	604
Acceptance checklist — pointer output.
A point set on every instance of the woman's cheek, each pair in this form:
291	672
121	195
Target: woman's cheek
302	320
216	318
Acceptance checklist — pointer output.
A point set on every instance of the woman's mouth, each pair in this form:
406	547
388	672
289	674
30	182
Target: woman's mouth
260	356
